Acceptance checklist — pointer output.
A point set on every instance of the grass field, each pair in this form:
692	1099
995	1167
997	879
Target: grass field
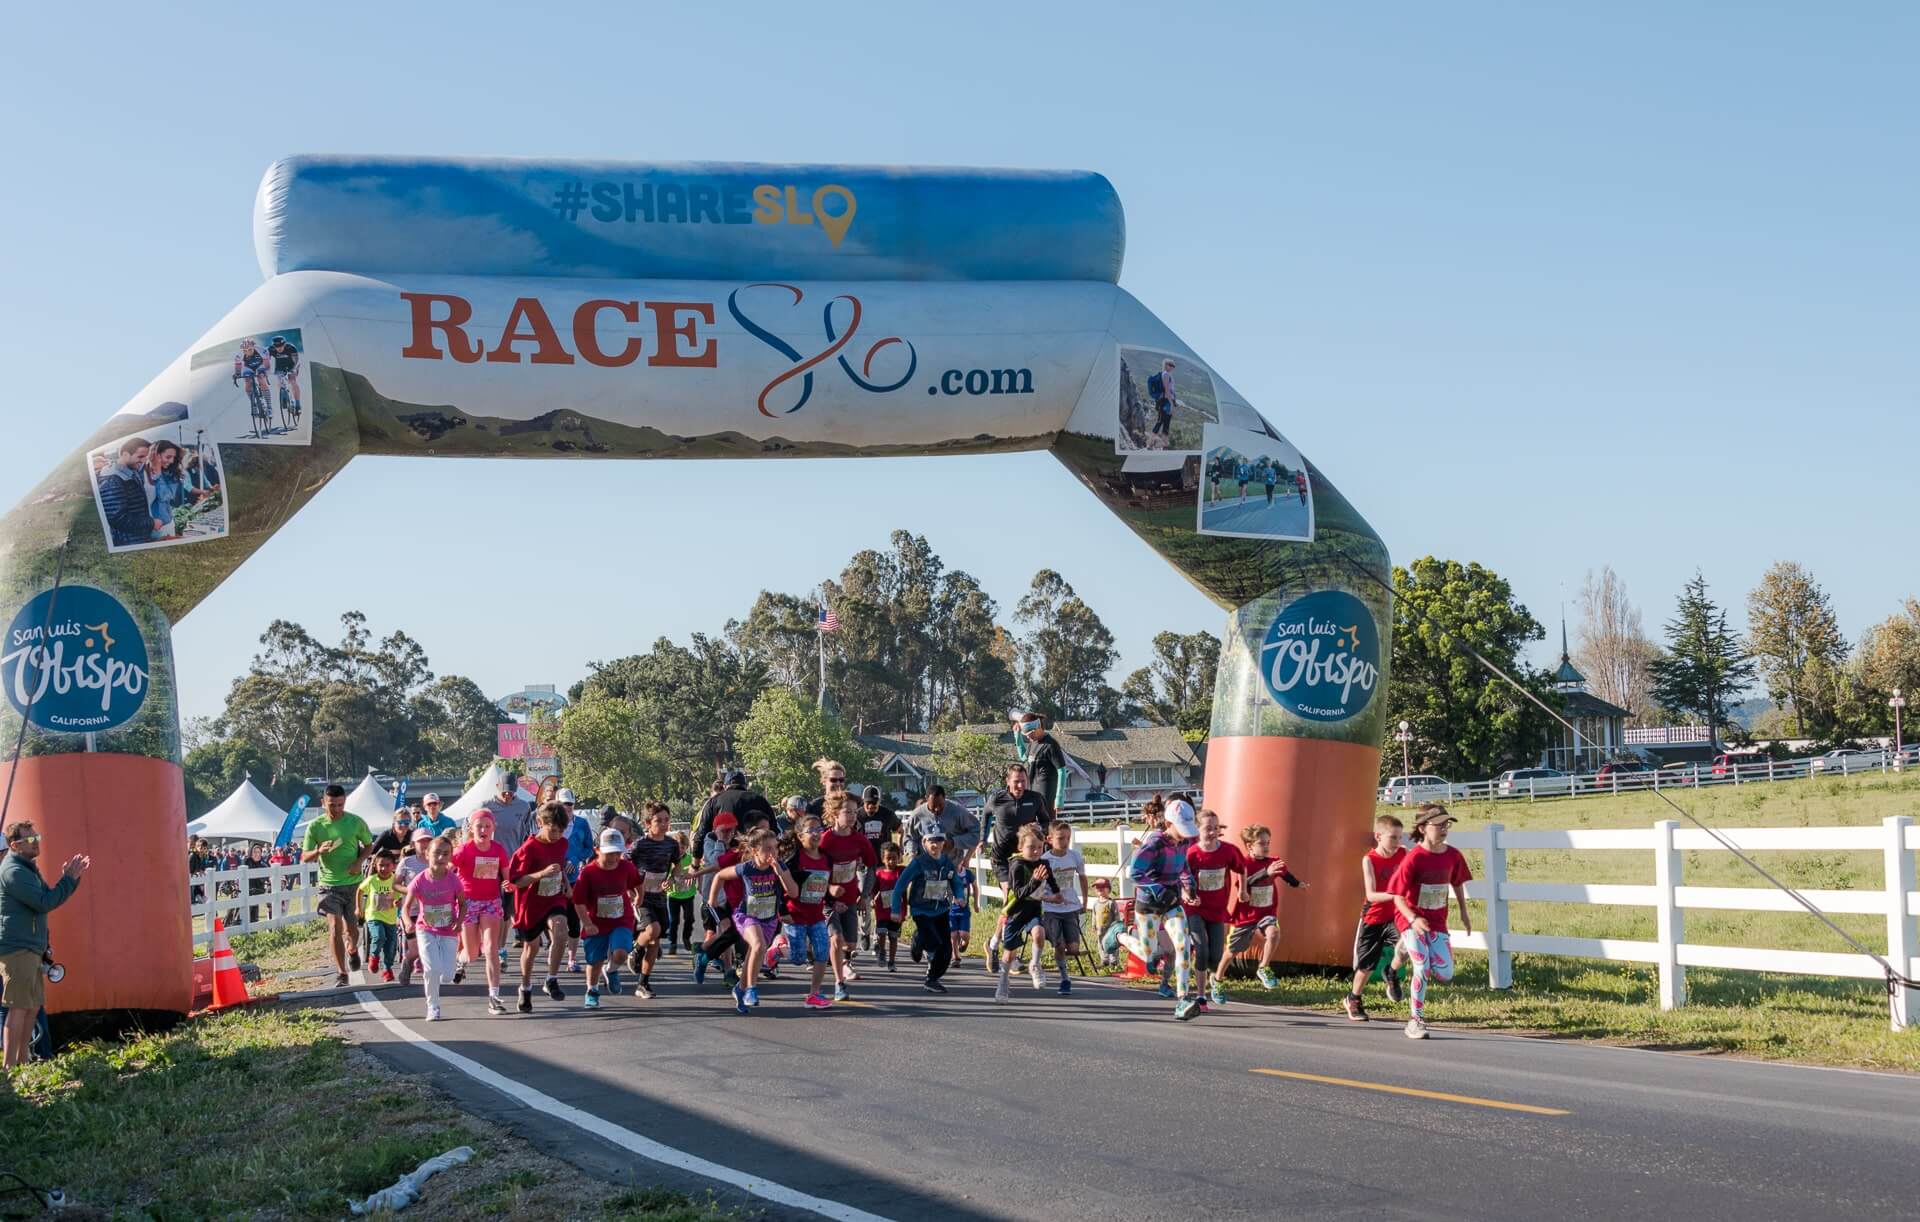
1818	1020
267	1113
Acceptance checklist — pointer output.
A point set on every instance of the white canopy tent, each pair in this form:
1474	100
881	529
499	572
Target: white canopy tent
247	814
481	792
373	803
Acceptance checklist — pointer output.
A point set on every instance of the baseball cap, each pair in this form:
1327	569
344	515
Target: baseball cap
1102	884
725	818
1433	812
871	793
736	777
796	802
611	841
423	833
936	832
564	796
1180	819
431	797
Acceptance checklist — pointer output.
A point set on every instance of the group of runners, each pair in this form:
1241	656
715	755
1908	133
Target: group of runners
1263	472
817	884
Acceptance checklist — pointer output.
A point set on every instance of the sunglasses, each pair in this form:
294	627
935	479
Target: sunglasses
25	840
836	781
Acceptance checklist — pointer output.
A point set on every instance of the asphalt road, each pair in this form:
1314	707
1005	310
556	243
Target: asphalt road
1099	1105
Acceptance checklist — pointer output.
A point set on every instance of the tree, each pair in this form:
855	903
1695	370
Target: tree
1612	650
215	769
1066	653
1467	722
1794	638
455	725
1176	687
779	634
696	695
783	735
1705	666
972	668
968	759
610	747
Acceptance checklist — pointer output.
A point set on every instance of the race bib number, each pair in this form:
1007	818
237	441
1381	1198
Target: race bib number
439	915
814	889
550	885
874	827
486	867
610	907
1212	880
935	891
1432	895
843	872
1260	895
760	907
655	883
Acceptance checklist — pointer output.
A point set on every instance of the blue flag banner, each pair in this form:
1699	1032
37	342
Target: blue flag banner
293	821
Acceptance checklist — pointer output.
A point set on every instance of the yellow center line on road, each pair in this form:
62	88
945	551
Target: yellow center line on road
1418	1094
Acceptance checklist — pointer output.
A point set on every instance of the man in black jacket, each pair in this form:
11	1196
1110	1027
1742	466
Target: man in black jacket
1008	811
749	809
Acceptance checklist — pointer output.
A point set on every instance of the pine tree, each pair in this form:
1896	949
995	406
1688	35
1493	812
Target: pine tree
1706	665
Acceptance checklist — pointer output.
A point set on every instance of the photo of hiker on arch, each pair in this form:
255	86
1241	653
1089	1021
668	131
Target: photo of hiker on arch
1165	400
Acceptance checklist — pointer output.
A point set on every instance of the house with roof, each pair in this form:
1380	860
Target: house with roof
1118	762
1599	727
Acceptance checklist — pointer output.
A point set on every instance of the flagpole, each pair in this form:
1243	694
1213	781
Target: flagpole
820	643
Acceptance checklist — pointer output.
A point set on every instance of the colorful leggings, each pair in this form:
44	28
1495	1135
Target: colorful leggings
1432	956
1145	941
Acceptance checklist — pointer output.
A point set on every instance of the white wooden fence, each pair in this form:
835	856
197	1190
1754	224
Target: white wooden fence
1670	898
292	891
1696	776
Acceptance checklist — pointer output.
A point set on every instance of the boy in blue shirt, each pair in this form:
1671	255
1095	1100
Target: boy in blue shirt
926	889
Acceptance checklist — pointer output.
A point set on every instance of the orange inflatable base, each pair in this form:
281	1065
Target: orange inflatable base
125	936
1317	798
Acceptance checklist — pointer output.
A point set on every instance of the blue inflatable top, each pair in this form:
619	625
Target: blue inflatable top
692	220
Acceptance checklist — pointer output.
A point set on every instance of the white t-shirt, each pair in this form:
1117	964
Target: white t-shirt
1070	871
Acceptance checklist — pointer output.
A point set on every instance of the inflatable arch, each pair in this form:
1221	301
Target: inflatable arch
602	310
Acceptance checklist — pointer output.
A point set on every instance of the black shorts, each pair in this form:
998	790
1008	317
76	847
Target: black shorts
845	924
1370	942
523	936
652	909
892	927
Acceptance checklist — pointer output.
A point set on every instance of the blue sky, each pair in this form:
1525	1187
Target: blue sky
1546	290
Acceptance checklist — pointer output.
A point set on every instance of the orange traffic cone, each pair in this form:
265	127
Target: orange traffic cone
229	988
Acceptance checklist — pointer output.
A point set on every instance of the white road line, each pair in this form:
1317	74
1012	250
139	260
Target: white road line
626	1139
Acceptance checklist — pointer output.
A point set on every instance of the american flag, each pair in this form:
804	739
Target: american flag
828	621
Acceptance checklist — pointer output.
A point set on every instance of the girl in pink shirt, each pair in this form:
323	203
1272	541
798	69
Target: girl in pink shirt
481	864
435	903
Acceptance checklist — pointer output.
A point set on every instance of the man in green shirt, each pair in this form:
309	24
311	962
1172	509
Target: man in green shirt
339	842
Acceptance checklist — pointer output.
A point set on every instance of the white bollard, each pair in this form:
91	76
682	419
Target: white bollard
1672	929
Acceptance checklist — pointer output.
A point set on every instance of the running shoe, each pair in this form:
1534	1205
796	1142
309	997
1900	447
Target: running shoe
1166	990
526	1001
770	972
933	986
1394	992
340	981
572	964
613	983
850	975
1066	987
1033	974
387	975
993	954
554	990
433	1014
459	973
353	961
495	1005
732	977
1355	1008
700	967
1216	995
1000	991
593	999
753	997
916	953
1267	979
373	965
816	1002
740	1000
644	991
1416	1029
1187	1009
672	949
840	992
892	966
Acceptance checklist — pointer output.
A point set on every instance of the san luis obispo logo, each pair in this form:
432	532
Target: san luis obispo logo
81	671
1321	658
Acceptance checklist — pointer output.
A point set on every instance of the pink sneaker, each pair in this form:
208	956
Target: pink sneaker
816	1002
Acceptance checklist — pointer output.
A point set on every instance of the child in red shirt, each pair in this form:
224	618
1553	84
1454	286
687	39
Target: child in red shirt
886	922
1377	934
1256	914
1419	889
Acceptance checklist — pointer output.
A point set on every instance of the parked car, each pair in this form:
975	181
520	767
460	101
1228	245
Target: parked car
1683	770
1526	782
1623	774
1727	761
1421	787
1846	759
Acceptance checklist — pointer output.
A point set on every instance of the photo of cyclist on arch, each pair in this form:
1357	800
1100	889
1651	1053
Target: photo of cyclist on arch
249	389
